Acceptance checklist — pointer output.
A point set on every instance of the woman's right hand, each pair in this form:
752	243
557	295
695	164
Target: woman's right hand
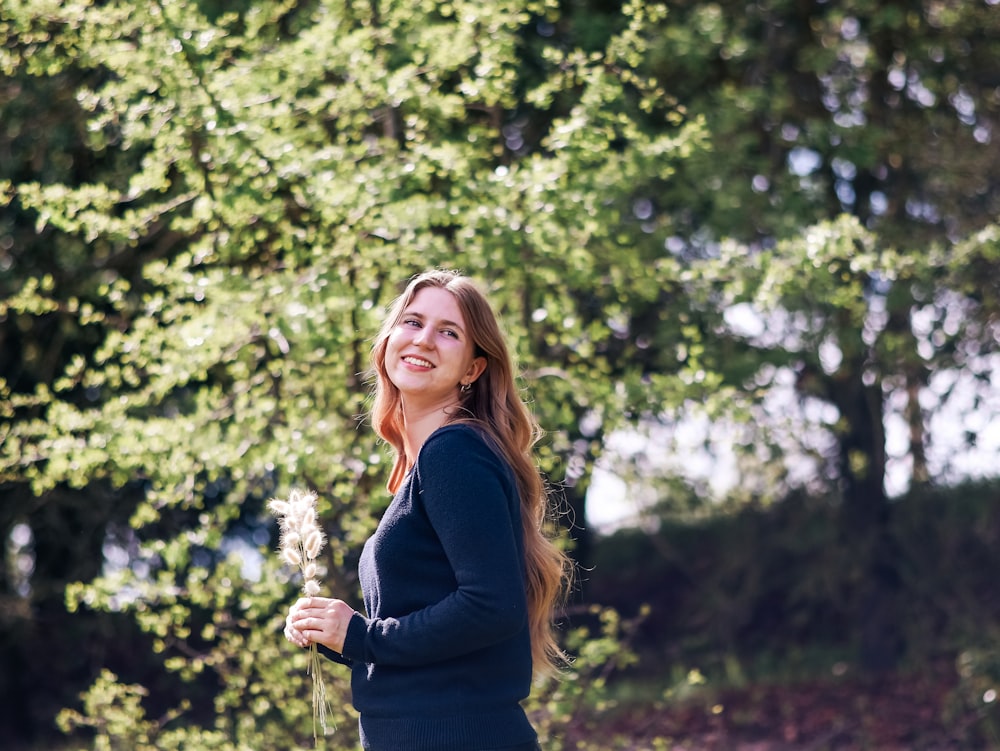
319	620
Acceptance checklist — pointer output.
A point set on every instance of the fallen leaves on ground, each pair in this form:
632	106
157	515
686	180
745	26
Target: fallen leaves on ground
911	711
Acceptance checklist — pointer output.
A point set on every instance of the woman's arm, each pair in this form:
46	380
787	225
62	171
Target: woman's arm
471	502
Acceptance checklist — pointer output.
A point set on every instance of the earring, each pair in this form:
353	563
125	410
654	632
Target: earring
466	388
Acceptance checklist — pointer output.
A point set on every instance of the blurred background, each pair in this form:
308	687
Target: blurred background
748	254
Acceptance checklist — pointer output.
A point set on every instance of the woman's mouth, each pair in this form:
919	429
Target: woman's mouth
418	361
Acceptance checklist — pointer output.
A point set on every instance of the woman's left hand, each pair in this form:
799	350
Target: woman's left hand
319	620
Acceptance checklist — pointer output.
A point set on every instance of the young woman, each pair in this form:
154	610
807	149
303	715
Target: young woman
459	580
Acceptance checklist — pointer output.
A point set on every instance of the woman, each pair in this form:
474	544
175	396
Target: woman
459	580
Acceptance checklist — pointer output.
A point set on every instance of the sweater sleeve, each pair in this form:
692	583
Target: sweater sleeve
334	656
471	502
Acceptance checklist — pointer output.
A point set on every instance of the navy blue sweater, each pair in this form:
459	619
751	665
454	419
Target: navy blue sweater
443	659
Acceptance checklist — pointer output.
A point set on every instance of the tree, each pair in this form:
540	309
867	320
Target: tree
882	111
817	111
254	183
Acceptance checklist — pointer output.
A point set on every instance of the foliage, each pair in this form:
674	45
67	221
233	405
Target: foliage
979	669
883	111
766	585
763	600
601	649
815	112
845	191
247	187
115	712
207	205
115	715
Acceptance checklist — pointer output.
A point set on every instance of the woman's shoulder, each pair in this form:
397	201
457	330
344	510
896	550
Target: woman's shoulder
457	438
456	435
462	454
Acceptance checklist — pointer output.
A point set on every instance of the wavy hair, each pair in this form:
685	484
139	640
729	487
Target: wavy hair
494	405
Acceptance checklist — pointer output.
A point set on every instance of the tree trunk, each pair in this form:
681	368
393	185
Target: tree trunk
920	473
865	518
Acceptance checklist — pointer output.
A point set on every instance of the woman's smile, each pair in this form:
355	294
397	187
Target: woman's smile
417	361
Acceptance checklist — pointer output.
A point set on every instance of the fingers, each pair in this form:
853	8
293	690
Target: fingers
292	631
312	604
311	619
295	622
319	620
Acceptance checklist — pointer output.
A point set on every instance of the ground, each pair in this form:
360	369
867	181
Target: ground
907	711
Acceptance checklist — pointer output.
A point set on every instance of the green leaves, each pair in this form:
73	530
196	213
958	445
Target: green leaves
258	181
220	200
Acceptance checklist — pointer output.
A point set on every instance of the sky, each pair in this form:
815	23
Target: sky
966	407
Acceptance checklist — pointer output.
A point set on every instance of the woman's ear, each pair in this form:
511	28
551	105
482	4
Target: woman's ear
475	370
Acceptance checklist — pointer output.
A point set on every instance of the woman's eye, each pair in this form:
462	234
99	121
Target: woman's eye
449	332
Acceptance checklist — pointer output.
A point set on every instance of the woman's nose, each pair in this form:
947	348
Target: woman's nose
422	337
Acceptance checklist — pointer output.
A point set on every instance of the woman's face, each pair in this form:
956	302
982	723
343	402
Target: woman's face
429	353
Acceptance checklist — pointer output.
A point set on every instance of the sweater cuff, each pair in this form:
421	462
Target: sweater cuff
334	656
354	640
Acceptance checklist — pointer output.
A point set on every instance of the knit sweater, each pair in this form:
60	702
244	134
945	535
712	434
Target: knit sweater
443	658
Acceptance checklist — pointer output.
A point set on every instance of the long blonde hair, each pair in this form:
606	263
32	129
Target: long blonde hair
495	406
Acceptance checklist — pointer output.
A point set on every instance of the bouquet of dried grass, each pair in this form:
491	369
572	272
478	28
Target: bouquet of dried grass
300	546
